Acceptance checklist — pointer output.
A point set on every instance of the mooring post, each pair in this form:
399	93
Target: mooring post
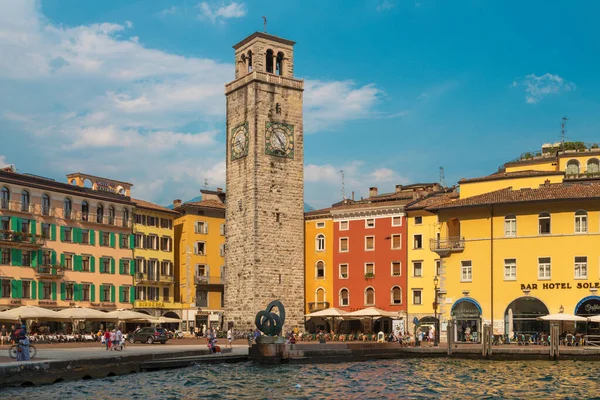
554	341
490	339
450	335
484	340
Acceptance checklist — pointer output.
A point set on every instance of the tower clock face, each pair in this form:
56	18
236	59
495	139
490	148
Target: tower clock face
279	139
239	141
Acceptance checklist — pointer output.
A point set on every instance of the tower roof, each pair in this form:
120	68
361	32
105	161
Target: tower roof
263	35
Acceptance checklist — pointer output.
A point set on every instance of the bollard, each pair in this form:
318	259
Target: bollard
450	336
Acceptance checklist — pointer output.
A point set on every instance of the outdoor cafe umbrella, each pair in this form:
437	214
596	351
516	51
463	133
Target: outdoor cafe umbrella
129	315
85	313
563	317
30	312
332	313
167	320
372	312
595	318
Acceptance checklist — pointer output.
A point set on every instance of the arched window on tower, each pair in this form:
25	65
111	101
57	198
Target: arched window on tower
249	61
572	167
269	61
279	64
593	166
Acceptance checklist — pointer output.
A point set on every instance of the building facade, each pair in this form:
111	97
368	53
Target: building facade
265	182
199	257
153	260
60	243
319	271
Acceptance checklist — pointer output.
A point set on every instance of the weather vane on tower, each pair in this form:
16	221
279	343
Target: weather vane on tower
265	22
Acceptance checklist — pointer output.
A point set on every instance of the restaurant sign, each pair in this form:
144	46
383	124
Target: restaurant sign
150	304
105	186
465	310
560	285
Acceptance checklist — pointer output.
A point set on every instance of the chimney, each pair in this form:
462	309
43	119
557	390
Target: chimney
353	195
547	183
176	202
219	190
398	188
372	191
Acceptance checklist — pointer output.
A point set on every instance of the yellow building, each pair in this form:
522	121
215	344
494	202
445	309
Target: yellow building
199	256
318	260
153	255
522	243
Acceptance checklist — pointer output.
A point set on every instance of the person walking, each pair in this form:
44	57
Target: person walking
230	337
107	339
119	338
113	339
4	334
23	345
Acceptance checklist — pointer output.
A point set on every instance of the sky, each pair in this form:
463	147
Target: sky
394	89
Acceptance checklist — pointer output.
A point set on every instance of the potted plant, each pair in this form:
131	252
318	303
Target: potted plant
369	275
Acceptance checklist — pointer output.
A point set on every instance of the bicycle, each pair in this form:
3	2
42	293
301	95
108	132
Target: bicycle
12	352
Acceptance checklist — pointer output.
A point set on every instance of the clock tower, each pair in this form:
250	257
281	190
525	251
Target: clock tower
264	258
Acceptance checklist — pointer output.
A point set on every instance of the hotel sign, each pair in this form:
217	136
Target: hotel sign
560	285
105	186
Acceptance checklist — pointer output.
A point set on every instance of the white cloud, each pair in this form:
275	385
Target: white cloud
3	162
539	87
169	11
384	5
233	10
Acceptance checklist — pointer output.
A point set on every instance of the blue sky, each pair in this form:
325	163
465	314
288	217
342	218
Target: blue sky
133	90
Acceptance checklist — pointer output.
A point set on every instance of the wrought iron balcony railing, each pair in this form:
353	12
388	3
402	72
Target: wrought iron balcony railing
49	272
208	280
19	239
447	245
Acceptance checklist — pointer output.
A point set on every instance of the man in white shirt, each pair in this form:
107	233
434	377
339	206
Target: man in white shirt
119	336
230	336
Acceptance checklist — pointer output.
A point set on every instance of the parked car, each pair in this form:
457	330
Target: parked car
149	335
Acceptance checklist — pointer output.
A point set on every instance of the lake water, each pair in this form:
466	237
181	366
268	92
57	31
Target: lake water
416	378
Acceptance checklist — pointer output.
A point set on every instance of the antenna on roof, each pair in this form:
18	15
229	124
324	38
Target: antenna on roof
265	23
205	183
343	184
563	126
442	178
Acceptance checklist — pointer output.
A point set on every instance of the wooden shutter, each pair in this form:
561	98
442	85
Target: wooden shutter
121	266
112	265
34	258
33	290
92	264
40	290
53	290
112	294
62	233
92	293
62	260
121	289
131	241
131	294
101	293
112	239
16	257
14	292
53	232
92	237
63	291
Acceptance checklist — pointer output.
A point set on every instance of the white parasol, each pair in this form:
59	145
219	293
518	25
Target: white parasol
30	312
85	313
562	317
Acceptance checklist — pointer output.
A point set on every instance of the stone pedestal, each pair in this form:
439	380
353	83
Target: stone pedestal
271	353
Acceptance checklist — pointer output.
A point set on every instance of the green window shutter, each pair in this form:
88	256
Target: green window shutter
62	260
92	237
100	241
53	257
34	258
77	263
63	291
62	233
101	293
112	239
120	266
40	290
92	293
53	290
75	292
92	264
14	289
74	235
16	257
15	223
120	240
131	241
33	226
132	267
20	287
53	232
112	294
131	294
121	289
112	265
33	290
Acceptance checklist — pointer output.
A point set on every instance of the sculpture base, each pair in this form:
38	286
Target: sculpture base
270	340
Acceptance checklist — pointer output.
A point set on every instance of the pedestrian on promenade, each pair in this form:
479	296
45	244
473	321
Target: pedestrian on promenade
4	334
113	339
23	344
107	339
119	337
203	329
102	338
12	338
230	336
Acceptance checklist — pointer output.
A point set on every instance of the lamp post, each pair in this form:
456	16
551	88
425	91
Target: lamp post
435	305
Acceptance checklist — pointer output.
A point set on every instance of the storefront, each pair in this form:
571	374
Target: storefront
466	314
588	307
521	316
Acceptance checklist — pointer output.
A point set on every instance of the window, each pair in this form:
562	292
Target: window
201	270
418	241
165	243
126	224
140	293
25	225
580	267
68	234
68	262
320	270
151	242
396	242
343	225
105	293
124	241
320	225
99	214
26	259
344	297
510	269
222	229
6	287
139	219
46	257
166	269
593	166
370	269
46	231
438	267
200	248
85	211
544	268
4	197
544	223
201	227
396	296
417	299
466	271
125	269
85	292
572	167
111	215
510	225
125	296
370	297
369	242
5	256
396	268
85	263
25	201
397	221
343	271
85	236
153	293
139	265
581	221
105	239
152	221
370	223
69	291
166	294
46	290
343	244
26	289
320	242
105	265
418	220
222	250
45	204
164	223
417	269
138	241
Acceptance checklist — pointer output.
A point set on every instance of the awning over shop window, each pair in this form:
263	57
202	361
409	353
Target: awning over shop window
466	308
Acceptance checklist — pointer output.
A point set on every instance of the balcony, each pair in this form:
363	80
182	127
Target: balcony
317	306
166	279
209	280
20	239
445	246
144	277
20	207
46	211
49	272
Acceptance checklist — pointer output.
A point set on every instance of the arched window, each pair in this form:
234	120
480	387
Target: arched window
269	61
45	204
111	215
249	61
572	167
320	269
593	166
396	295
279	64
100	213
510	225
67	207
85	211
369	296
344	297
125	217
544	223
4	197
320	245
320	296
25	200
581	221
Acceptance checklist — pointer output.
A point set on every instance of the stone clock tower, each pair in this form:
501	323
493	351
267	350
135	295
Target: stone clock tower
264	255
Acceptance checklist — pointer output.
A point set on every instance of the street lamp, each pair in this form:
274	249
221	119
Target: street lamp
436	281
